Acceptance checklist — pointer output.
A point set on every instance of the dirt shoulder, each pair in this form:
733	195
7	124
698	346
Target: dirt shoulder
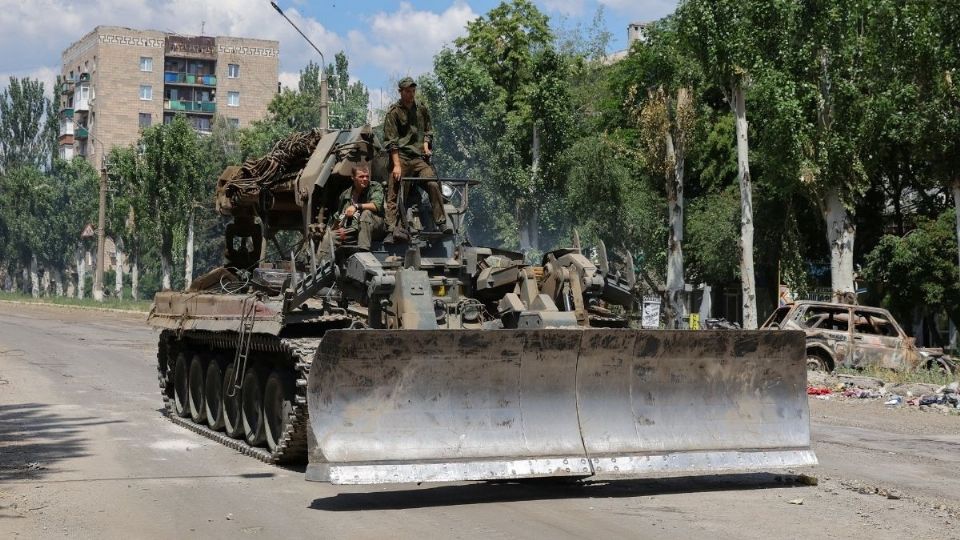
68	312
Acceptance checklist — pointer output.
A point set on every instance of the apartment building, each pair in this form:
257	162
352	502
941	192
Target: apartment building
117	81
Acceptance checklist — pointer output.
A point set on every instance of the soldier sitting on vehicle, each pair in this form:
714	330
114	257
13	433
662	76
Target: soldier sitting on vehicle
359	218
408	133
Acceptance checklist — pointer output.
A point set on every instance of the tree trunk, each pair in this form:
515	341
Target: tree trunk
675	307
135	276
81	271
57	275
188	257
747	282
840	235
118	281
166	264
34	277
530	214
45	282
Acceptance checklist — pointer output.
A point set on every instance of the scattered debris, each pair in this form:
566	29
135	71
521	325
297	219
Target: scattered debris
796	501
926	397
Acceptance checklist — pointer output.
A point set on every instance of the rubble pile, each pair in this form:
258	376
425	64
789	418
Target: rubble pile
927	397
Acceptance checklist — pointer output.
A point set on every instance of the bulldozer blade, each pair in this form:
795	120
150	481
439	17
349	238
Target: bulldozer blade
392	406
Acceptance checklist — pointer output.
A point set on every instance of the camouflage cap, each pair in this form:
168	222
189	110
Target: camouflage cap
406	82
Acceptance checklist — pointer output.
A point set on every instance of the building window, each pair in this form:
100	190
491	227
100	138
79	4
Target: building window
233	71
233	122
146	63
146	92
146	119
233	99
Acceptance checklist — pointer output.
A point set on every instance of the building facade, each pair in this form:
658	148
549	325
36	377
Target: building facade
117	81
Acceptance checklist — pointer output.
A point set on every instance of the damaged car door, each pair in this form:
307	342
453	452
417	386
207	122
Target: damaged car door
828	326
878	341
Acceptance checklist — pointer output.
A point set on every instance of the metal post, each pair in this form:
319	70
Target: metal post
324	103
101	236
324	98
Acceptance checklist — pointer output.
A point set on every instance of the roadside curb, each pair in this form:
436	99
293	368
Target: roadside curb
79	308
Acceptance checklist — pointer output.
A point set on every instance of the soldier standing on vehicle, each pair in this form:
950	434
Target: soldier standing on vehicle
359	218
408	133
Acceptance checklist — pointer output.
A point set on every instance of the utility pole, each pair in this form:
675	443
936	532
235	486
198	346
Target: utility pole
101	235
324	98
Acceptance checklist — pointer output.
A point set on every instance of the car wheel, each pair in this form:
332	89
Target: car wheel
815	362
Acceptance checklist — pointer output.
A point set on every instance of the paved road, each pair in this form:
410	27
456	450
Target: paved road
85	453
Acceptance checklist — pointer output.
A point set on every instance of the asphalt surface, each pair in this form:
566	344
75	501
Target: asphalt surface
86	453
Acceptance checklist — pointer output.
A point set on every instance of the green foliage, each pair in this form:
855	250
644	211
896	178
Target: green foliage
918	269
502	95
24	129
713	229
615	202
299	110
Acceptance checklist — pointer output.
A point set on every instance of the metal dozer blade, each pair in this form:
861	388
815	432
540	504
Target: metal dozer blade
392	406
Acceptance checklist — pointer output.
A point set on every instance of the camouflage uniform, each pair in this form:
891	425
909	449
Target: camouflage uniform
405	131
361	229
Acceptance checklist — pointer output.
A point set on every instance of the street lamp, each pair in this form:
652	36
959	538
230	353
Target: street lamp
324	106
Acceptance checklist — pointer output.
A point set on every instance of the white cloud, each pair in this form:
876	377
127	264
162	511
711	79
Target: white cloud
40	30
45	74
290	79
406	40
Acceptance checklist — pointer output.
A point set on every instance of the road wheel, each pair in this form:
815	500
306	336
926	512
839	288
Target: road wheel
213	393
198	370
815	362
251	409
181	376
277	405
230	404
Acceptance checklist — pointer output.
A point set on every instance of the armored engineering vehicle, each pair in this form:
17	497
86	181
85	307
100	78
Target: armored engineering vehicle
438	360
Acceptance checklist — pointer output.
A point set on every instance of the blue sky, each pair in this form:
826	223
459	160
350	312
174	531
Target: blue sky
384	40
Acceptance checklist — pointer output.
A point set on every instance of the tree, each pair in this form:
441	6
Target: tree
915	274
729	38
299	110
666	118
24	132
349	102
943	111
525	120
27	186
169	175
65	206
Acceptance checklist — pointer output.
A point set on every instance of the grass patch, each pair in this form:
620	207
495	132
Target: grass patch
111	303
889	376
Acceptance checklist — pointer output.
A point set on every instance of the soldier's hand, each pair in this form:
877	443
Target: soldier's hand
350	211
396	173
426	150
341	234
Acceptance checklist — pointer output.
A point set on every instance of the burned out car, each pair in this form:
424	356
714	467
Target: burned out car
842	335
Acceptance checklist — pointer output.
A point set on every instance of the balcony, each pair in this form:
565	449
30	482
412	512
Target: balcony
196	107
66	87
67	112
82	133
173	77
66	127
